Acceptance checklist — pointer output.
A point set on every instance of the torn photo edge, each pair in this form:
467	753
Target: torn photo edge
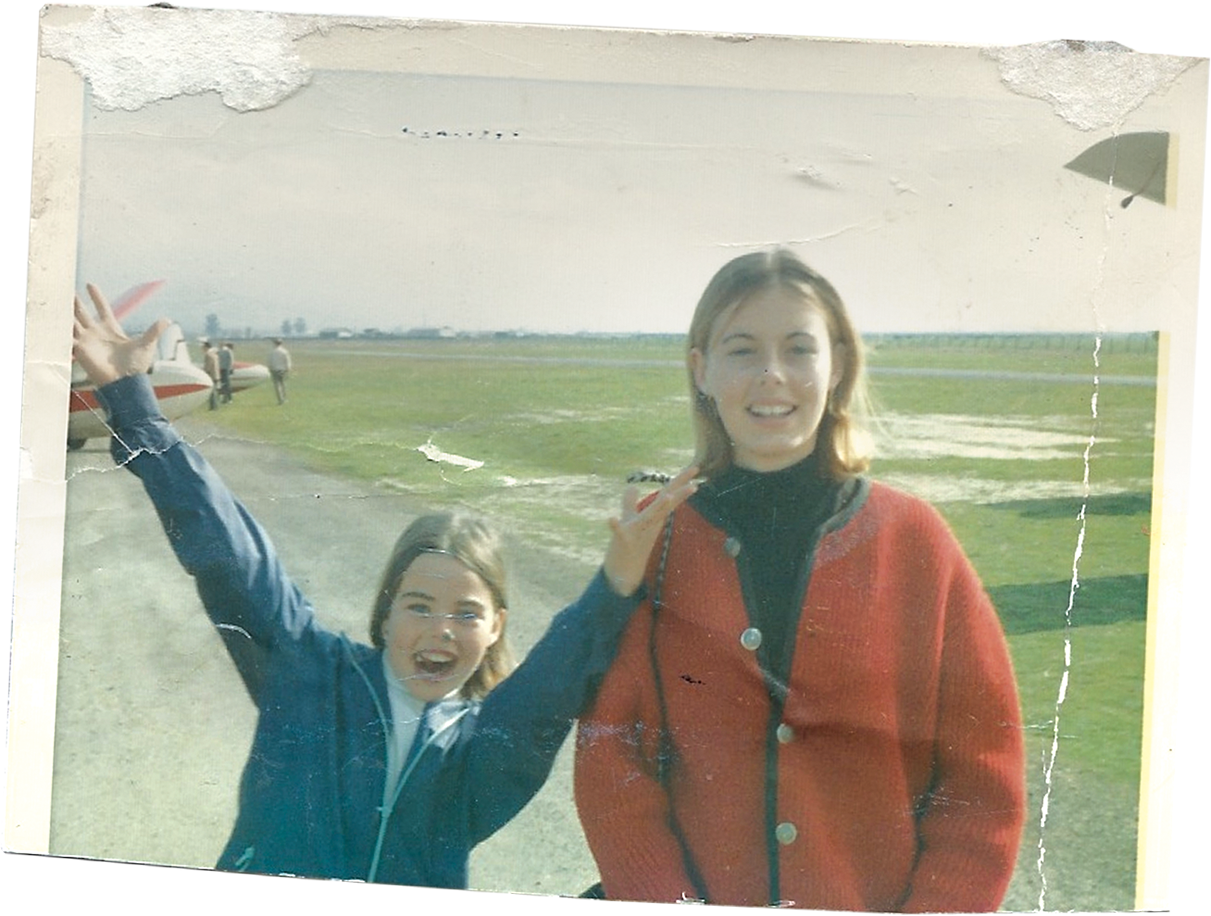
39	544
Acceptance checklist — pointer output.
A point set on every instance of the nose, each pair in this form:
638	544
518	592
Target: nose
442	624
772	368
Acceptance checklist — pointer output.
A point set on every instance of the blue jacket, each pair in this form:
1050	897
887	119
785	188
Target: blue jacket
312	792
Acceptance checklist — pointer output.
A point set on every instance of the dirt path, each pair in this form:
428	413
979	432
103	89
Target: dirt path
153	725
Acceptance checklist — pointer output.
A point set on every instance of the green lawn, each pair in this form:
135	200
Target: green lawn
559	423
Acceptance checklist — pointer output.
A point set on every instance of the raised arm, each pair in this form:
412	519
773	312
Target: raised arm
637	530
104	350
525	719
242	585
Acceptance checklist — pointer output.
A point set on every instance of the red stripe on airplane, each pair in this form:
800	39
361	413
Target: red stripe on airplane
87	400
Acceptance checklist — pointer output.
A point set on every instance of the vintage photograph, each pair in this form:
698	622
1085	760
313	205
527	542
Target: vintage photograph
644	464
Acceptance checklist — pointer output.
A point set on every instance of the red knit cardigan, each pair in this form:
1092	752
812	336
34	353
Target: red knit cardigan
887	775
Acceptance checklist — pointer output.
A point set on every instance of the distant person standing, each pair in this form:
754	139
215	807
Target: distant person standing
210	364
279	368
226	364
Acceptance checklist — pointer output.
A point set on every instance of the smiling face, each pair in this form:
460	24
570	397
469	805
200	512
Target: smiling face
442	622
769	368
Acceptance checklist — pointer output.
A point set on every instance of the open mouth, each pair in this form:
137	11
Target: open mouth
434	665
770	410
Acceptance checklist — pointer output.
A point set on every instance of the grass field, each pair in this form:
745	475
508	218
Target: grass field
986	429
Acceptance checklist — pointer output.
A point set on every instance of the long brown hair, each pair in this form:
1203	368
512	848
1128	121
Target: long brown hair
475	544
842	434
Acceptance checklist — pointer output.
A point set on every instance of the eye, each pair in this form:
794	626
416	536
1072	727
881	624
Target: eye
469	617
803	344
418	610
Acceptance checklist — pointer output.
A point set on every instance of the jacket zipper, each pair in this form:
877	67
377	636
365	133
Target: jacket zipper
388	725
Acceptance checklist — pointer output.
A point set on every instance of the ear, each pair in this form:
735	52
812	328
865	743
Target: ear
698	368
498	624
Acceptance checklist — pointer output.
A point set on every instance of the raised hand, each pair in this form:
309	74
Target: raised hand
636	532
102	348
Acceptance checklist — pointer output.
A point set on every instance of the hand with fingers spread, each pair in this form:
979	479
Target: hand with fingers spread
103	349
636	532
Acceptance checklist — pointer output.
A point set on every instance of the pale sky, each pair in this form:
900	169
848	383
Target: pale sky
607	206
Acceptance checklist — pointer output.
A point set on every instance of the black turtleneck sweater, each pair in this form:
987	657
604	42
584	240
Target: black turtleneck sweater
776	517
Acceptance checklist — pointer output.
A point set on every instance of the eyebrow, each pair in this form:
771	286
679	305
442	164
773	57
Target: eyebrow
425	596
745	335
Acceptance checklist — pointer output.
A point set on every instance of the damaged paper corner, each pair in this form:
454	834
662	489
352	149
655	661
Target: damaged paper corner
133	57
1089	84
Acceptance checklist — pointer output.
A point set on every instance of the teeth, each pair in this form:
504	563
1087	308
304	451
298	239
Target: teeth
434	664
770	411
435	657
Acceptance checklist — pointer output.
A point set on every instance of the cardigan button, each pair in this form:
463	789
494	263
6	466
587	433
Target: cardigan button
786	833
732	547
785	734
751	639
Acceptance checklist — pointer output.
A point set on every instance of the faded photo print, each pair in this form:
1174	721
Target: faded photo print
651	465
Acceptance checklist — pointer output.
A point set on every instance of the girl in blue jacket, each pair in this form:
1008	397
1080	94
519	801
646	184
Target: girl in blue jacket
385	762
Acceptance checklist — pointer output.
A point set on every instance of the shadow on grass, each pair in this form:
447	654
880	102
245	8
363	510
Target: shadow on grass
1070	506
1040	606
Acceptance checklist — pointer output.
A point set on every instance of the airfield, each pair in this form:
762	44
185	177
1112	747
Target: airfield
153	725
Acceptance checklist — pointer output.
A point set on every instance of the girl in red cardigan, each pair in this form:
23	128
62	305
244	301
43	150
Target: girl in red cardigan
815	706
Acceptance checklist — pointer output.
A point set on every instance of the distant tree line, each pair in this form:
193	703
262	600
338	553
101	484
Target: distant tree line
296	327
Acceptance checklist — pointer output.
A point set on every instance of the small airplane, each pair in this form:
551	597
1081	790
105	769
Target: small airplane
179	385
